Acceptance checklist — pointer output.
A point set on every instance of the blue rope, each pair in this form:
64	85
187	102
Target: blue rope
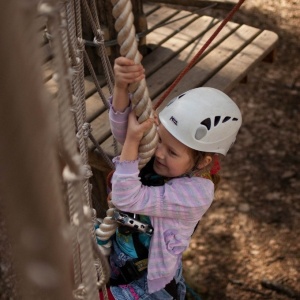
192	292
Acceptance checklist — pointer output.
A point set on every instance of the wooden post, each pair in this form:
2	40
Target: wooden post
30	185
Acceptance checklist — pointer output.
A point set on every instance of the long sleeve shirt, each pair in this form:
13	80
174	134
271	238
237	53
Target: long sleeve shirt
174	209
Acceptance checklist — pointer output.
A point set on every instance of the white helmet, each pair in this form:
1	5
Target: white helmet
204	119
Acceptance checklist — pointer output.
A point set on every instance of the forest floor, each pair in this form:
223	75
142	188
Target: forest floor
247	245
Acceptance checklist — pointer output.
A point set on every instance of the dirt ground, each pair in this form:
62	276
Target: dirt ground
247	245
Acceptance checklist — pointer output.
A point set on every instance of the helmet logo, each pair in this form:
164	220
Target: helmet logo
174	120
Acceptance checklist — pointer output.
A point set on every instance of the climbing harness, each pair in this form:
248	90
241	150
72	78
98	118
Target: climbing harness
132	222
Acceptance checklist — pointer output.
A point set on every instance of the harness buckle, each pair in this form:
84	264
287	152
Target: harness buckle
135	224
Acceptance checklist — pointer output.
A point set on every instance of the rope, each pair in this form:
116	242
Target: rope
71	88
141	102
77	46
200	52
94	76
99	39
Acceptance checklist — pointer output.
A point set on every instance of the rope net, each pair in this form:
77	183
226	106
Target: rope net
91	269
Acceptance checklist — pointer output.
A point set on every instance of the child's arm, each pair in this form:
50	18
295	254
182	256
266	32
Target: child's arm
126	72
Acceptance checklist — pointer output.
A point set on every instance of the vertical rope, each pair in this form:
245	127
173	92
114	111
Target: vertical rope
101	51
122	11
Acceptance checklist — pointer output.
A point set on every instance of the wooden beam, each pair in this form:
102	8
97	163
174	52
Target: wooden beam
222	4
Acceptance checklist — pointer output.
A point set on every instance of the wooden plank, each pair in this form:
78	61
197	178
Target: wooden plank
169	27
208	66
176	44
108	146
219	4
234	71
160	16
95	106
100	129
171	70
150	8
89	85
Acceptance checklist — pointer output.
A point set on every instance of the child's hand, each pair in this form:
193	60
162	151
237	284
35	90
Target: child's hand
135	130
127	72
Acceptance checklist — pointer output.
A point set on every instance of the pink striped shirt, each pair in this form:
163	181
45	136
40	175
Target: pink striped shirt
174	209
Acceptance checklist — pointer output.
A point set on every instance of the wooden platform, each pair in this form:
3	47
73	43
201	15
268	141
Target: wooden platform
232	55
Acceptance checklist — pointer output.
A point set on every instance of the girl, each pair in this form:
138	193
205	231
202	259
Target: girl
173	191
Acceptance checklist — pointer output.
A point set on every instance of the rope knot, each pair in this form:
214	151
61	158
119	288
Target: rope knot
99	39
87	171
80	43
87	129
80	292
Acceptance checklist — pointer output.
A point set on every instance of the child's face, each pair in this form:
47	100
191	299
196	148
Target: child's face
172	158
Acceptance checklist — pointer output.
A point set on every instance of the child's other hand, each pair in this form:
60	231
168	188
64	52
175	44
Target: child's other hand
127	72
135	130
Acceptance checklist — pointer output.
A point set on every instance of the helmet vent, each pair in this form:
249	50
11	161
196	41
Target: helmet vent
226	119
181	96
235	119
200	133
206	123
217	120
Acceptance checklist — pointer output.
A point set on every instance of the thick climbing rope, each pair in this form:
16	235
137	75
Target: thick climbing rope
200	52
141	102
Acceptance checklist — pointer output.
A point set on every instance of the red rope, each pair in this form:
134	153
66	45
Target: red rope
200	52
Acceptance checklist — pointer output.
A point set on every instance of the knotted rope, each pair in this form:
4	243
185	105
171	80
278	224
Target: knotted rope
141	102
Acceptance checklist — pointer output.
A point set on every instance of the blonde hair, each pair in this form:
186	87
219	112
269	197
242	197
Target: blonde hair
197	157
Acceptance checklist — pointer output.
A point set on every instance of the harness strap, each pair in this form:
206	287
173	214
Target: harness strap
141	251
